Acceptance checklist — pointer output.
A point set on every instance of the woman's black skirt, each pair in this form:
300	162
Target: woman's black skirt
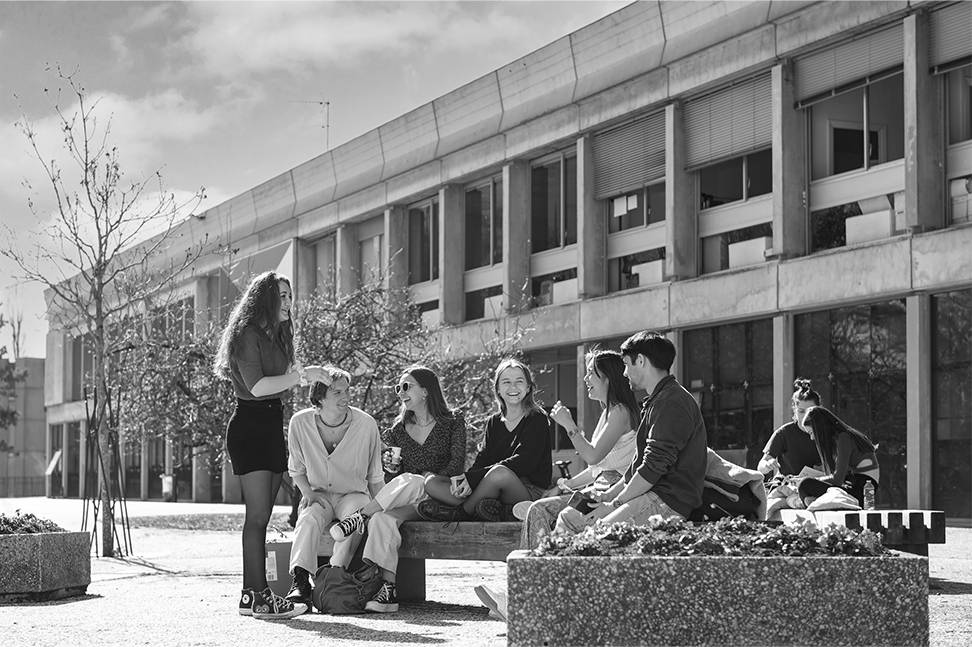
254	437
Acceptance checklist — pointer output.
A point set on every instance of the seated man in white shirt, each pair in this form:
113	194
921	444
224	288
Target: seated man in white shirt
335	460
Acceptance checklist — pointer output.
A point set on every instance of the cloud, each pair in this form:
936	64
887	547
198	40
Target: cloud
296	37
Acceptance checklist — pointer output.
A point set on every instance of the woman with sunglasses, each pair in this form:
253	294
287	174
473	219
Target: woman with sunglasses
432	440
514	463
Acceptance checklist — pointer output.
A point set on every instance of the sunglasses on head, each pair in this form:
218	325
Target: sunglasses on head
402	387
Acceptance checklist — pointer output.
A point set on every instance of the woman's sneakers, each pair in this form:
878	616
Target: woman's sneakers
385	600
246	602
348	526
520	510
493	600
267	605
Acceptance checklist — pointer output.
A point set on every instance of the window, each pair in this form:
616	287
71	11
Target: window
423	242
82	355
543	290
56	434
555	371
482	304
554	204
729	369
856	358
716	252
837	125
736	179
629	211
952	403
484	224
71	459
958	84
133	469
625	272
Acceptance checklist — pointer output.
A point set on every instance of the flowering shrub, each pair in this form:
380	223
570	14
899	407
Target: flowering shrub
733	536
26	524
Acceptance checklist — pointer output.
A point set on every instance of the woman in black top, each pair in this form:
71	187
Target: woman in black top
256	354
514	462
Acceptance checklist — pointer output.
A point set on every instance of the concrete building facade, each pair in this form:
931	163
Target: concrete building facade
23	454
785	188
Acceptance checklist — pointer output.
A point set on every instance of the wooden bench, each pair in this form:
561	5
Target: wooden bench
906	530
421	540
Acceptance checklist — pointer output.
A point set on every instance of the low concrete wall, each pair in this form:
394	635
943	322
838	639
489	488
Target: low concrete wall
645	600
44	566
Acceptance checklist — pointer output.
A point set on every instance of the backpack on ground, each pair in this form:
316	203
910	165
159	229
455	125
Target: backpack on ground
341	591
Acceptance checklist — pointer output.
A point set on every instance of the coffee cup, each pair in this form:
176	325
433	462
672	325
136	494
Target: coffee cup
396	454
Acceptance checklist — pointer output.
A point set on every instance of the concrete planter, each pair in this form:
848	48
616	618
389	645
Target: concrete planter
44	566
645	600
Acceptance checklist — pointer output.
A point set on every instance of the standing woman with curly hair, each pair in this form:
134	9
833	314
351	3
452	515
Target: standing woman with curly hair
256	355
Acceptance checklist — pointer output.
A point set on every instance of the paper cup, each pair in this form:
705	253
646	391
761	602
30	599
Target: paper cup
396	454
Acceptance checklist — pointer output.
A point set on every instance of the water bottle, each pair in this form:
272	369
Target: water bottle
869	495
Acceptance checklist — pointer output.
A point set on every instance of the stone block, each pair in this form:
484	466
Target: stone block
647	600
45	565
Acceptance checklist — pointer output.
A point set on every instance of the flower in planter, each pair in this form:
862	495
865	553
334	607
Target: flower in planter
25	523
728	537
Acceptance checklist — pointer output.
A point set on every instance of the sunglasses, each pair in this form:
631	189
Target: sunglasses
402	387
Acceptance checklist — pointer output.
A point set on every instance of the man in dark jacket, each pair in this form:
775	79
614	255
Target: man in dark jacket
666	475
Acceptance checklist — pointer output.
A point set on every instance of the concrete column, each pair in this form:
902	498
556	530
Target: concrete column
346	259
325	266
305	263
143	480
919	452
516	235
64	459
452	254
789	168
591	228
678	339
395	250
783	367
681	208
83	460
587	410
924	152
201	481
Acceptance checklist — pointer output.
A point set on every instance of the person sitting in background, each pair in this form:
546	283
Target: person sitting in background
790	449
335	460
513	464
608	454
432	440
848	456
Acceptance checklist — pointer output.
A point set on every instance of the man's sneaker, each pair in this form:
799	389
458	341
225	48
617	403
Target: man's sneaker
267	605
385	600
300	592
246	602
520	510
348	526
495	601
432	510
489	510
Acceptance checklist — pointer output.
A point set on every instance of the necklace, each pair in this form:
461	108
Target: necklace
431	421
343	420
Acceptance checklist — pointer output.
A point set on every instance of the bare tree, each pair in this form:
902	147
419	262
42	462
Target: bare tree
16	331
111	244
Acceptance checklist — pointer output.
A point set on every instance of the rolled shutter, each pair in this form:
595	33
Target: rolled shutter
851	61
951	33
629	156
729	122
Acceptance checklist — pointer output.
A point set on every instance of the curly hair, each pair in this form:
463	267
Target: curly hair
258	306
802	391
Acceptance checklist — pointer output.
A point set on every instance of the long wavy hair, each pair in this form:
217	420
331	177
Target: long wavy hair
436	402
826	428
258	306
608	363
530	400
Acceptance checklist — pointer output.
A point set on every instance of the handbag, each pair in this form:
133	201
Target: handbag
340	591
834	498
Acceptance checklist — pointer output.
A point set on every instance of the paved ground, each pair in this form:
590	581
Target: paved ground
180	588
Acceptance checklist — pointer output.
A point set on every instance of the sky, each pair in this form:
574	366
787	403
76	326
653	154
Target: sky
225	95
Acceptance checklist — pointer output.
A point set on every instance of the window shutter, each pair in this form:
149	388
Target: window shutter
857	59
729	122
629	156
951	33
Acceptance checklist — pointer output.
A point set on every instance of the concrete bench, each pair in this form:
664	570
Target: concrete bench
421	540
906	530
